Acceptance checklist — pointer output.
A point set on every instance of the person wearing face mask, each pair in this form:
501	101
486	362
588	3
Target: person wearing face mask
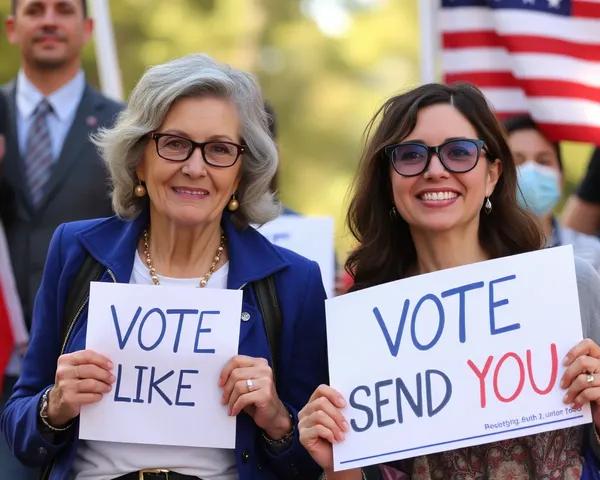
540	177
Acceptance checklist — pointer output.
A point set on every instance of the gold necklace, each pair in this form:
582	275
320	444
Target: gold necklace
207	275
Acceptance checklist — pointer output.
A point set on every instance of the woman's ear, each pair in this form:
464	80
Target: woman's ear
493	175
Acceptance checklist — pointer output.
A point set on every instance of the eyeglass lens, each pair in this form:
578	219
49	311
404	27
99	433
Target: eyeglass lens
457	156
179	149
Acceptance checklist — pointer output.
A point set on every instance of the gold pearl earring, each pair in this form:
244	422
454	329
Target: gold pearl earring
140	190
233	204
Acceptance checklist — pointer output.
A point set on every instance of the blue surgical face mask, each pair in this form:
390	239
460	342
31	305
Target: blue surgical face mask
539	187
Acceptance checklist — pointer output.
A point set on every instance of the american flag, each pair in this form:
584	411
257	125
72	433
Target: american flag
540	57
12	325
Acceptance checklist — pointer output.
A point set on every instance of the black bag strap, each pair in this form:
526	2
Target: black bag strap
268	305
90	271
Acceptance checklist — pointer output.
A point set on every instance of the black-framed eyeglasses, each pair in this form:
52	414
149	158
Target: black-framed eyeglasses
410	159
178	149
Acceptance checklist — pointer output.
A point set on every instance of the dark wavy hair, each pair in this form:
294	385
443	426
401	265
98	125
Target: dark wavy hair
386	251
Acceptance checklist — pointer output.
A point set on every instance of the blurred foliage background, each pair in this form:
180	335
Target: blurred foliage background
325	66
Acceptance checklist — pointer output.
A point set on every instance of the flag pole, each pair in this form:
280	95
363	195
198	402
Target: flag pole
106	52
429	39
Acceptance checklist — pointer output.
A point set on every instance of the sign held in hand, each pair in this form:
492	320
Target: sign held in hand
455	358
168	346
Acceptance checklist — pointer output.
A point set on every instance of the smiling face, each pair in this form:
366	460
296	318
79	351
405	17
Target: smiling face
438	200
49	33
192	192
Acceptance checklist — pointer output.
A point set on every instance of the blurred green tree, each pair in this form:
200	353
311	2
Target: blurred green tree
325	66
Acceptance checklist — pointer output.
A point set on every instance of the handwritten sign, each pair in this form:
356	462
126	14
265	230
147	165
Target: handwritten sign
168	346
311	237
459	357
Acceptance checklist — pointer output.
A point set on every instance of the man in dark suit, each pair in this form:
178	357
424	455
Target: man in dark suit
52	172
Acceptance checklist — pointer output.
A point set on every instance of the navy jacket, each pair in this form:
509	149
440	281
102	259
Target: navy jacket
113	242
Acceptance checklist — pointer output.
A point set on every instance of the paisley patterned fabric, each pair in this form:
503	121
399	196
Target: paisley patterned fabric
546	456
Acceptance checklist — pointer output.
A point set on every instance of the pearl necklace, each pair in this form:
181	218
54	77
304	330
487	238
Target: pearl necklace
207	275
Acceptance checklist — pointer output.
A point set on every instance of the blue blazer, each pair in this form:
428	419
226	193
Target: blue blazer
113	242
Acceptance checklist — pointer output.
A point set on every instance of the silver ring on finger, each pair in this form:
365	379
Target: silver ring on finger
250	385
590	379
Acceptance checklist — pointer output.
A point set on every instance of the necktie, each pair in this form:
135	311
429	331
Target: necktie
38	153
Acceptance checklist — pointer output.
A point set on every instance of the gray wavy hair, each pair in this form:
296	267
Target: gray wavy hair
194	75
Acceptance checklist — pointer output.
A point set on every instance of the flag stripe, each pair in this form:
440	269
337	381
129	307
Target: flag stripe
525	66
543	88
545	109
519	22
574	133
521	44
587	9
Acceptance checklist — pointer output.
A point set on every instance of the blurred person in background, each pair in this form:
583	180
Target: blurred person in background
52	173
582	210
191	161
540	177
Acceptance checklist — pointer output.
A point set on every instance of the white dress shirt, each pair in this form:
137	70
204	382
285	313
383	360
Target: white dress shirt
64	102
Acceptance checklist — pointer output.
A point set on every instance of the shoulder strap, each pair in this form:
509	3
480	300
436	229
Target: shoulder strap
90	271
269	308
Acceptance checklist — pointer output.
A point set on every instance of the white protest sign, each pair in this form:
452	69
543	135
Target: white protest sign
455	358
169	346
311	237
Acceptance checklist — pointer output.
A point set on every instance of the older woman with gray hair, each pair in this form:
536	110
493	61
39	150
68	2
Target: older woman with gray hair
191	160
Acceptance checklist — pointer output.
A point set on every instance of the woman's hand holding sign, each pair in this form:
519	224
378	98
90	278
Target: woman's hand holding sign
82	378
248	385
321	424
579	379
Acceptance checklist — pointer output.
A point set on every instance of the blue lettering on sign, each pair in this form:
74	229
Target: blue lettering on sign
430	410
118	397
181	386
120	339
138	391
203	330
163	329
462	320
182	313
154	385
379	402
499	303
402	390
441	320
354	404
395	345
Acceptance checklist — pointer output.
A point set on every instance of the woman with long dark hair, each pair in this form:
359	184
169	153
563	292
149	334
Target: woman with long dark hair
437	188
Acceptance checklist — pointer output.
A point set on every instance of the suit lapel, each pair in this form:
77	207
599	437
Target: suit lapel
14	168
75	142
